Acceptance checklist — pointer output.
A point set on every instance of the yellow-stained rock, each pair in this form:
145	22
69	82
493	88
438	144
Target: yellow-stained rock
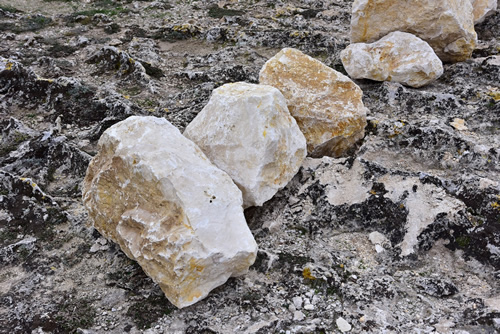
399	57
247	131
156	194
447	25
483	9
326	104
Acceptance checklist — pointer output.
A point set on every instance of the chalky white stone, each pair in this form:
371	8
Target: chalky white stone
483	9
247	131
447	25
157	195
399	57
343	325
327	105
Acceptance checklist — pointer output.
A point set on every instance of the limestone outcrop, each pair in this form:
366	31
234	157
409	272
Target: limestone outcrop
447	25
483	8
155	193
247	131
326	104
399	57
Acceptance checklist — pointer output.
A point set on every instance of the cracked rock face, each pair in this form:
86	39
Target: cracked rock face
399	57
447	25
247	131
156	194
326	104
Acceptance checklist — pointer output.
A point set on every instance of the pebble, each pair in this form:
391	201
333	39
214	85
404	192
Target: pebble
298	316
343	325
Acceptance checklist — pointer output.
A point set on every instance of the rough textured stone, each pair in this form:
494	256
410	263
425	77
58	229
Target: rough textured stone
447	25
157	195
399	57
483	8
343	325
55	284
247	131
326	104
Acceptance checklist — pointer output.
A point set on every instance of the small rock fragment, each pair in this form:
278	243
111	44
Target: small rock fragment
377	238
399	57
157	195
297	302
459	124
309	307
447	25
483	9
379	248
326	104
298	316
343	325
247	131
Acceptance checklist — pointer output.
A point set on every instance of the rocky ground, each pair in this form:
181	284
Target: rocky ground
428	184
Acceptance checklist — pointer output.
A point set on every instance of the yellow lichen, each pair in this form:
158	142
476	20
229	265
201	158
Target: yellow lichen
495	95
9	65
307	274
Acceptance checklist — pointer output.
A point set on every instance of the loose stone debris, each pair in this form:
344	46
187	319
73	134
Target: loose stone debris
313	235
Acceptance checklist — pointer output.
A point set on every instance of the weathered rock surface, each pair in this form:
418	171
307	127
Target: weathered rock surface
52	281
482	9
326	104
447	25
399	57
247	131
156	194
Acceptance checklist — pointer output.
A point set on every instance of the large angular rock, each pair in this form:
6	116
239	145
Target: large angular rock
326	104
157	195
399	57
447	25
483	9
247	131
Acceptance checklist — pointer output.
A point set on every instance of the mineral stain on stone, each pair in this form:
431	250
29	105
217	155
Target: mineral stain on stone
157	210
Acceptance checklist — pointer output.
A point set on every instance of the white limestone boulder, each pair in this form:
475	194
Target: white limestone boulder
157	195
483	9
399	57
326	104
447	25
247	131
